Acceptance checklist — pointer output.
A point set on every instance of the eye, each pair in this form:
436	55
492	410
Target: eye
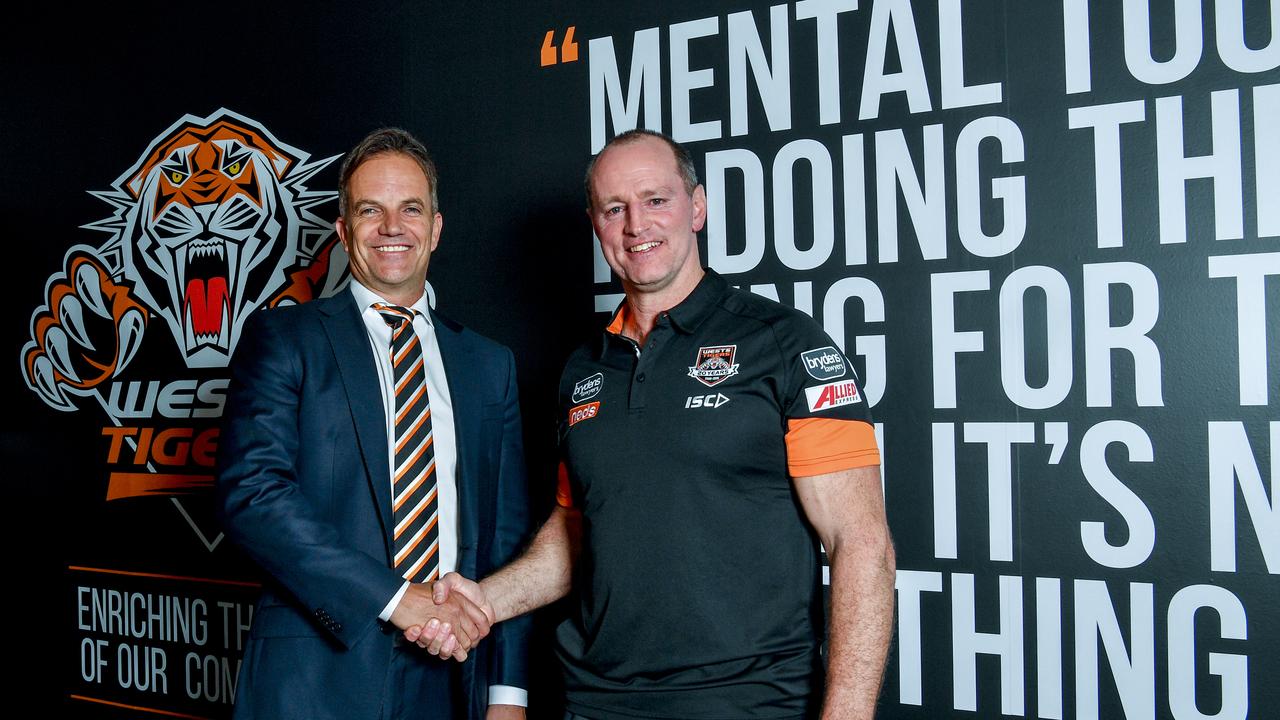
176	168
613	210
657	201
234	157
413	210
233	166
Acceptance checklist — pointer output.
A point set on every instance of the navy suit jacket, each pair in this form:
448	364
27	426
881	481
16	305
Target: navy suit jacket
303	486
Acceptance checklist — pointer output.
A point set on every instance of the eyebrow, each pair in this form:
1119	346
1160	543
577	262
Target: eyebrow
366	202
665	190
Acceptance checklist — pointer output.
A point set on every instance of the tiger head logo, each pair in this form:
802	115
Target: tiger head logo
213	221
209	224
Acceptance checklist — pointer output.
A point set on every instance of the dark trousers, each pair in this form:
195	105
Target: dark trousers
422	687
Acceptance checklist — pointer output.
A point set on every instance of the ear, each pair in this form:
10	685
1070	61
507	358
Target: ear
341	226
699	208
437	223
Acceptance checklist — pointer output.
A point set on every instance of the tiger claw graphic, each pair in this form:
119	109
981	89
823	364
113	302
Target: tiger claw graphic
86	333
311	281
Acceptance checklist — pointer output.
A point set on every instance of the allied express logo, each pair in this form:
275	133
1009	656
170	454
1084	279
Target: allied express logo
212	221
832	395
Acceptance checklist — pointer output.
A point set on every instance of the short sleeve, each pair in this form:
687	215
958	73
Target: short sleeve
828	423
564	491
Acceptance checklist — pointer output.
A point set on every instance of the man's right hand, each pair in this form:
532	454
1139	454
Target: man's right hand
455	623
439	638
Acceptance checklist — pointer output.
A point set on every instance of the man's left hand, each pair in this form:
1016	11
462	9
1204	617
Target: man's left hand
457	621
505	712
435	637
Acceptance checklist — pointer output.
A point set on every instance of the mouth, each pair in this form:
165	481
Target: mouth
644	247
207	305
392	248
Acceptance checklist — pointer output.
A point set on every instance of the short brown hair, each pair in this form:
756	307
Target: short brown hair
379	142
684	161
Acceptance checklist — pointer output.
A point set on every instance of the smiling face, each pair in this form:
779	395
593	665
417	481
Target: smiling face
646	220
390	230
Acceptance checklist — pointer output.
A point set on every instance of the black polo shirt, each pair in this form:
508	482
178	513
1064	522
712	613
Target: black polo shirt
698	587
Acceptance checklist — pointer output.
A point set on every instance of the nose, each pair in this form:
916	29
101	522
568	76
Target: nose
391	224
205	212
636	221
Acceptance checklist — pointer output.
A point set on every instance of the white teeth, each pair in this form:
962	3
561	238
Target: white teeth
207	249
392	248
643	246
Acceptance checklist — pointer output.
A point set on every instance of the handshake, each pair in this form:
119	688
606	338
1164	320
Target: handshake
446	618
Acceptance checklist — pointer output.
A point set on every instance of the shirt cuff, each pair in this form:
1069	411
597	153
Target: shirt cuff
508	695
817	446
385	615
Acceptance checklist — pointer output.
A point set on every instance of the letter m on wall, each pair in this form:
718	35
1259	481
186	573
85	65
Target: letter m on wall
644	83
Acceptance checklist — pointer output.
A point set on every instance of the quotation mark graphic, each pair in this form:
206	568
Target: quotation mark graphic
568	48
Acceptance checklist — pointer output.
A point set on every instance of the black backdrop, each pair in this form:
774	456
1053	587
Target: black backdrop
1068	546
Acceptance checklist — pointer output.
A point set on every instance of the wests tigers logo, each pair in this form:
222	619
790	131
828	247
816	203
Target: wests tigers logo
211	222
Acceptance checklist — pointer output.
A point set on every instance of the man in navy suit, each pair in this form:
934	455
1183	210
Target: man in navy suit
355	482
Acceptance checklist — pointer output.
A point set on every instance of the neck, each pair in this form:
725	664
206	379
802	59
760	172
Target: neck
403	299
643	308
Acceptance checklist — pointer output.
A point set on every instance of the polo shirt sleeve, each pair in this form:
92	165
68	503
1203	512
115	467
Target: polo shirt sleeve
564	491
827	419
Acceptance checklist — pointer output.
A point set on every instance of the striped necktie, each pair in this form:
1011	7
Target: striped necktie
413	479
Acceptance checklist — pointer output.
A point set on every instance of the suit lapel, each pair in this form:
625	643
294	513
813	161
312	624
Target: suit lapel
466	418
350	342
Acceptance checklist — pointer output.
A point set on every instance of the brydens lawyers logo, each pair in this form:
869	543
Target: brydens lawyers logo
583	412
211	221
832	395
824	363
587	388
714	364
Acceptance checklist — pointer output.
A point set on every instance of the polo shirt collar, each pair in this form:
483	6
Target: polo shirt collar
689	314
686	316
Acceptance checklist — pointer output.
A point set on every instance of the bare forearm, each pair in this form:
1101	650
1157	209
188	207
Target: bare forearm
543	574
862	577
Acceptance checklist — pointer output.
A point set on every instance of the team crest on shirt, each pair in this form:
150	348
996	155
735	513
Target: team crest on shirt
714	364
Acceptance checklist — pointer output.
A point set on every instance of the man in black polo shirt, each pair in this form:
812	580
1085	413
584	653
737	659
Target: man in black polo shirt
707	437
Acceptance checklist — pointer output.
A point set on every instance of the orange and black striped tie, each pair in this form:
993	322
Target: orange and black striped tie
413	479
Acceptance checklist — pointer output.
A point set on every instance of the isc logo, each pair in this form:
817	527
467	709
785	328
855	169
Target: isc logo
714	400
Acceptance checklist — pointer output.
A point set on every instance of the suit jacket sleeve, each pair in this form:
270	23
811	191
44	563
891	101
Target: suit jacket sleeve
268	507
510	639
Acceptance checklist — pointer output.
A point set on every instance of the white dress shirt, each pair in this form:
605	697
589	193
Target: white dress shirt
444	440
